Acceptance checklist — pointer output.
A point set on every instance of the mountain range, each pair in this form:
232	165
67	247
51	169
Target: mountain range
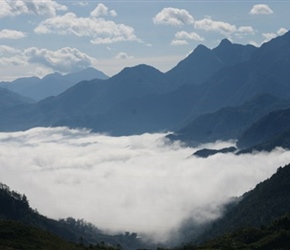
50	85
230	92
213	94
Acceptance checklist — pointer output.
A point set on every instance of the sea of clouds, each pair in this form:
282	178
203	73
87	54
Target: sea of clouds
137	183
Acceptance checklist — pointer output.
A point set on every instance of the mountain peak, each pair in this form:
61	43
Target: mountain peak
201	48
139	69
225	42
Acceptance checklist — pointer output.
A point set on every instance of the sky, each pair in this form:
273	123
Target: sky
38	37
134	183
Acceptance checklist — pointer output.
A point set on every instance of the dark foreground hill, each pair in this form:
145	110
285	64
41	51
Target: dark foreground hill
15	236
268	201
260	219
276	235
15	207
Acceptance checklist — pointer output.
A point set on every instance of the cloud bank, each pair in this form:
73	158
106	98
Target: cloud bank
36	7
95	26
136	183
64	60
11	34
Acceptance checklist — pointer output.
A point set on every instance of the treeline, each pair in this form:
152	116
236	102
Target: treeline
15	207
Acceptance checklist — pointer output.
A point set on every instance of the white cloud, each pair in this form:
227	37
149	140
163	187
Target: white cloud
11	34
102	10
208	24
282	31
182	37
4	49
123	56
246	30
11	56
63	60
101	178
269	36
261	9
81	3
173	16
100	31
188	36
113	13
179	42
37	7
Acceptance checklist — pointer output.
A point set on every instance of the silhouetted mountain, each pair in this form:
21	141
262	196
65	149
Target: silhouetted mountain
52	84
153	113
266	71
142	99
228	123
103	105
268	201
206	152
15	235
267	129
9	99
15	207
203	62
275	235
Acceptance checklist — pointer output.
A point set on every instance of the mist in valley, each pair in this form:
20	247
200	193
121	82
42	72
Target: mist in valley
137	183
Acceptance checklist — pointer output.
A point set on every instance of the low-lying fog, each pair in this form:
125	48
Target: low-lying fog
134	183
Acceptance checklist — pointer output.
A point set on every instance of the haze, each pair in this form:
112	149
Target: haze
138	183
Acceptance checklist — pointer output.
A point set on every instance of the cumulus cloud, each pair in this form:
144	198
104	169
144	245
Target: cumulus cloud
81	3
173	16
188	36
100	31
269	36
102	10
11	34
178	42
261	9
282	31
36	7
182	37
123	56
246	30
208	24
64	60
135	183
11	56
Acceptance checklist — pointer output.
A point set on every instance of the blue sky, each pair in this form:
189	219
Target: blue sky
38	37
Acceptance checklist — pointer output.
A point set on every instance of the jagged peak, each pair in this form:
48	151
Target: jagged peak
225	42
201	47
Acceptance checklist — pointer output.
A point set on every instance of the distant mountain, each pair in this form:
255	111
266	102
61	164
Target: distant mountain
142	99
268	201
272	129
9	99
203	62
228	123
266	71
85	99
206	152
52	84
